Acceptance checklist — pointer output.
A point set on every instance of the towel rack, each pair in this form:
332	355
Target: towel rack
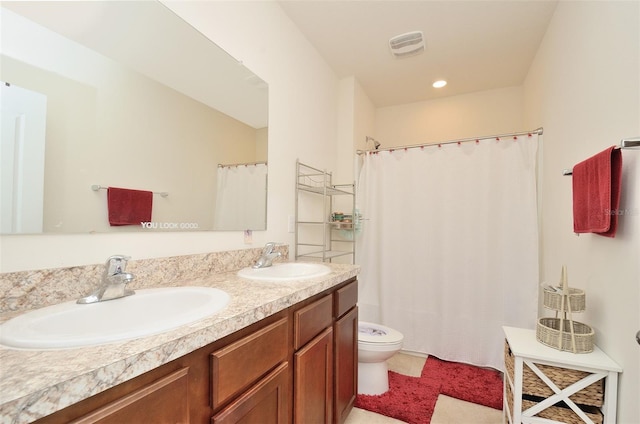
625	143
97	187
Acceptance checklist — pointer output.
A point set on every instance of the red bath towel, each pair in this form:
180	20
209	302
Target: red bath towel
596	193
128	207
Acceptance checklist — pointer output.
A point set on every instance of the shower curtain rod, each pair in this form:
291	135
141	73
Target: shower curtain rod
462	140
229	165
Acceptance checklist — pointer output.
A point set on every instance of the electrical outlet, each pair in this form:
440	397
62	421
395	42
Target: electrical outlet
291	224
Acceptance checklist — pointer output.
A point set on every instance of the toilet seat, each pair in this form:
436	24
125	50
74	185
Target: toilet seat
376	334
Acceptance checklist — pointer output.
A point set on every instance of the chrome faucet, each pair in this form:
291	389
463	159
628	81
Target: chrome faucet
267	256
114	281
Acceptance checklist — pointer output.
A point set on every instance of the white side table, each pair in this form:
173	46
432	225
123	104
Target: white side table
527	351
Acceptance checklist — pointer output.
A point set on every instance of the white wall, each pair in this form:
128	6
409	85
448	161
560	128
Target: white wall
584	87
356	121
469	115
346	138
356	117
364	118
303	98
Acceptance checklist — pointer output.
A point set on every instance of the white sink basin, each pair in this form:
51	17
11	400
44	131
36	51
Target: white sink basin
286	271
149	311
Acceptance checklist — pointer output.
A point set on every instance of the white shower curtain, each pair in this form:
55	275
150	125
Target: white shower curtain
241	198
449	249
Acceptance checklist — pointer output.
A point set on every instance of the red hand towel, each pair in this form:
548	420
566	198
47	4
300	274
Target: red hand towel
128	207
596	193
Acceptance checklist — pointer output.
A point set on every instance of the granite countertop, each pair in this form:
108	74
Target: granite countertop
37	383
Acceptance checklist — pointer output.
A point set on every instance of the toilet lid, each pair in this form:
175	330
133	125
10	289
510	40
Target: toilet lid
376	333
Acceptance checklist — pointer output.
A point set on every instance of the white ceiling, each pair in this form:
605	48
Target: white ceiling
474	45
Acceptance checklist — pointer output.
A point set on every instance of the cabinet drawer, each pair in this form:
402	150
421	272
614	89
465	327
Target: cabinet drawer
311	320
346	298
164	400
237	366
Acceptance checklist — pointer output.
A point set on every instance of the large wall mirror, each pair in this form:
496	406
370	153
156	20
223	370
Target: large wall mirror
125	94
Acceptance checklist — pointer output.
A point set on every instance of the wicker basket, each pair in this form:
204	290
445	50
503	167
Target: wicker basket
552	299
558	412
548	333
532	385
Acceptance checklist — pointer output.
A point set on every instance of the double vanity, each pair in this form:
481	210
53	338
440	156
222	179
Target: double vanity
283	347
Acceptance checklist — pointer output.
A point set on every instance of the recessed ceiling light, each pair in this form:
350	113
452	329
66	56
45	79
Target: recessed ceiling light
439	84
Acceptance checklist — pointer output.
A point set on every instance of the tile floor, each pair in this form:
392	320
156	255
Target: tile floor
448	410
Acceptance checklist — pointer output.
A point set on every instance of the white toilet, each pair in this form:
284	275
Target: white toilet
376	344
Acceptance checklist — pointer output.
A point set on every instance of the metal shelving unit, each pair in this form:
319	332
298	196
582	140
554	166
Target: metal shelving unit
317	236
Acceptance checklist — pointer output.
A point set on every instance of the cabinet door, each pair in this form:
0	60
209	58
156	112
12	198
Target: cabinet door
346	358
163	401
313	381
265	403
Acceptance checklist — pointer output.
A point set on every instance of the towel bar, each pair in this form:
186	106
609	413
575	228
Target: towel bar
625	143
96	187
628	143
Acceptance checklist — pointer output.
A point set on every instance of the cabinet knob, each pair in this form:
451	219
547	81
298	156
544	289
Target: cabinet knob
638	337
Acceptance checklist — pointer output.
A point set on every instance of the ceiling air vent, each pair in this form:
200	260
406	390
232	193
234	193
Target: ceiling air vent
408	44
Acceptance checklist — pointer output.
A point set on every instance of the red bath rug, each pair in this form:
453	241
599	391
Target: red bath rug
413	399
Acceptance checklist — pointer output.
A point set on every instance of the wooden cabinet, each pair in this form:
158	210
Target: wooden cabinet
326	357
222	382
346	350
298	365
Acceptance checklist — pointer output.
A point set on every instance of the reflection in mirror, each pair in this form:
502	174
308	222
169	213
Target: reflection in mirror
241	196
127	95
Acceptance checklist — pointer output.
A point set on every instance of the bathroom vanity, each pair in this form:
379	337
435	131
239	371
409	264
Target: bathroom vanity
280	351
